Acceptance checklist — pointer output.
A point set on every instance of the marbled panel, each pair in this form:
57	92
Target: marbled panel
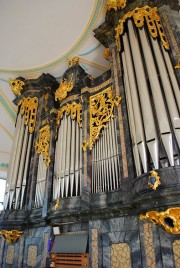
120	256
176	251
94	248
32	256
10	255
149	246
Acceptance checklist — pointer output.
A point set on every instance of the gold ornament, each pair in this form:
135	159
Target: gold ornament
57	204
140	15
107	54
101	110
85	145
178	65
154	180
28	107
116	4
169	219
11	236
42	144
63	89
73	109
16	85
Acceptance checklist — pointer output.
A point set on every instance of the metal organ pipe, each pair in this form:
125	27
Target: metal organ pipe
105	164
168	91
16	164
172	75
161	113
26	169
21	167
149	123
68	163
12	160
139	129
131	118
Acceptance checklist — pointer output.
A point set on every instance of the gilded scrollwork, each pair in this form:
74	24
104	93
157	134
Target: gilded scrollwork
107	54
56	206
42	144
28	107
169	219
140	15
63	89
101	110
116	4
16	85
11	236
73	109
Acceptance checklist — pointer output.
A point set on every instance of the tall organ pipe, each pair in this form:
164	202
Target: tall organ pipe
173	111
131	119
16	164
12	160
21	167
172	76
26	169
135	104
161	113
149	124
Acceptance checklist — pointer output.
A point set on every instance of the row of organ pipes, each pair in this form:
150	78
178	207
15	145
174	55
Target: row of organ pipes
153	105
68	159
19	164
153	110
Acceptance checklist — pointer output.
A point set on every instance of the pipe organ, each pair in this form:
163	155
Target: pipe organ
151	89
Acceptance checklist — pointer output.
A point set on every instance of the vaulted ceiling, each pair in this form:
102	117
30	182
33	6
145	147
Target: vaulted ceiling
37	37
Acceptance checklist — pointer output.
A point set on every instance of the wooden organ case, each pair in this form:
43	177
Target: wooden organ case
96	149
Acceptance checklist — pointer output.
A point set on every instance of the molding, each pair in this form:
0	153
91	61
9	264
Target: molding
6	131
90	50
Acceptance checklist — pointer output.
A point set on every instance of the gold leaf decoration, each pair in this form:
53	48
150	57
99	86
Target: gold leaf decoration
169	219
101	110
16	85
28	107
140	15
154	180
85	145
116	4
107	54
11	236
63	89
178	65
73	109
42	144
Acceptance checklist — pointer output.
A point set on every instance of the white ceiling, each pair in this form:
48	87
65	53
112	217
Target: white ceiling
38	36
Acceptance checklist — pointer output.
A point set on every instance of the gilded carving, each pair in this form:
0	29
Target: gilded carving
169	219
57	203
28	107
116	4
73	109
11	236
140	15
101	110
178	65
16	85
63	89
85	145
107	54
154	180
42	144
